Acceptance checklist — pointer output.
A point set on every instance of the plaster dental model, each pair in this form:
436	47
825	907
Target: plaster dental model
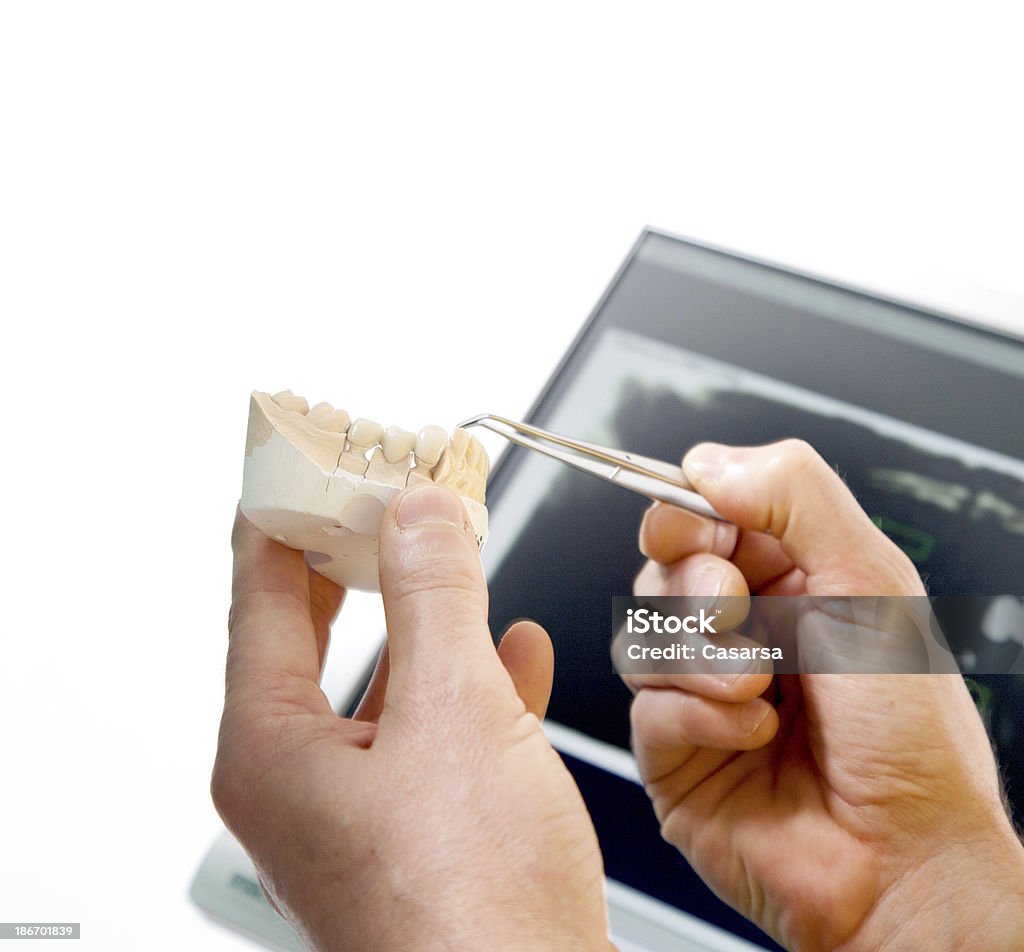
317	481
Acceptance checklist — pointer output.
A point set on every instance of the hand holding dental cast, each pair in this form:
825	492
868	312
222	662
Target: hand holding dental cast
439	817
839	812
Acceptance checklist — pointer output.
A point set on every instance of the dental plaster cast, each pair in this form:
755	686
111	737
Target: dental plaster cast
317	481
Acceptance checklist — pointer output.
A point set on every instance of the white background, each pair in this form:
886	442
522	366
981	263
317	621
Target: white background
407	209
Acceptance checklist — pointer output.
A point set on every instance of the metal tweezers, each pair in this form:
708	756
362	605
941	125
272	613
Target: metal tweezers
649	477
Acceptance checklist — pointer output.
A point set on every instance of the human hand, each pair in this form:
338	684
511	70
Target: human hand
439	817
852	812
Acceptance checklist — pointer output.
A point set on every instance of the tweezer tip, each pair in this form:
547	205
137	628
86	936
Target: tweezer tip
473	421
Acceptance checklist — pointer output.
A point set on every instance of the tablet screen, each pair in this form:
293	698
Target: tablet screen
917	413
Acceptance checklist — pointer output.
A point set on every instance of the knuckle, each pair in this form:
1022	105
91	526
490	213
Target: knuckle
723	537
638	725
247	762
647	724
449	609
240	746
648	580
233	611
440	575
797	455
431	568
227	790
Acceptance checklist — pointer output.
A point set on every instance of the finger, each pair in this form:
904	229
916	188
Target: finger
792	582
687	578
435	600
325	600
730	688
668	534
697	575
272	646
672	722
372	701
525	650
788	490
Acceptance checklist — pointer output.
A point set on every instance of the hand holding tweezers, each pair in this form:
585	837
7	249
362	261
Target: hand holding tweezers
649	477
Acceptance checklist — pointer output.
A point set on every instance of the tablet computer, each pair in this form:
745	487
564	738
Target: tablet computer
918	411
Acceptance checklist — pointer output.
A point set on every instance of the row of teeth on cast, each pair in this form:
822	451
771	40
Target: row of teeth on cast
392	454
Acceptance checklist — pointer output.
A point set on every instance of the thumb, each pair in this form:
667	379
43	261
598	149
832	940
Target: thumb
435	597
789	491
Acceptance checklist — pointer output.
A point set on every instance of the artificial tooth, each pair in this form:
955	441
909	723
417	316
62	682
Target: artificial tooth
448	467
287	400
397	444
325	417
337	422
476	458
319	412
430	444
463	466
362	434
365	433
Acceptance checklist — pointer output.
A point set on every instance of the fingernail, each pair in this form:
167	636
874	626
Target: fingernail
709	582
753	713
705	461
728	678
429	504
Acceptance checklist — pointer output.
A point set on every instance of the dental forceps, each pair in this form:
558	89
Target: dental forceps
649	477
